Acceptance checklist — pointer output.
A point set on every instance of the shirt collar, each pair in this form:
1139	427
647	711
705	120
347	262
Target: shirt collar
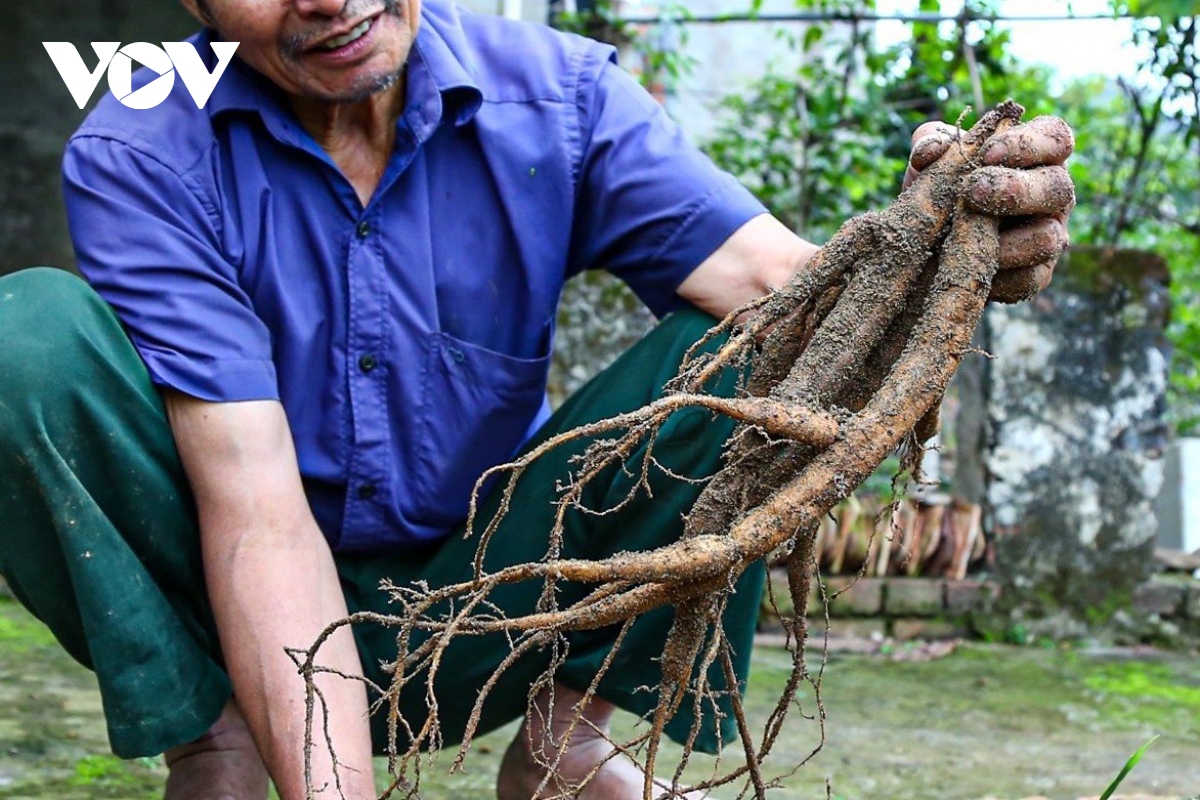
450	67
440	84
241	88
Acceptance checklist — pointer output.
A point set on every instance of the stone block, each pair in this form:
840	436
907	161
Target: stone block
846	628
1164	598
1192	610
857	598
970	596
914	597
779	592
907	629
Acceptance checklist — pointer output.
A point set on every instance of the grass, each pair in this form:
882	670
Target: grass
988	721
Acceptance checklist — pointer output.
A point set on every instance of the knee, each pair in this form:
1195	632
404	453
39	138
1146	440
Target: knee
47	319
41	301
38	289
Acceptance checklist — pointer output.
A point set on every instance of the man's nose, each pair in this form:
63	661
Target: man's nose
323	8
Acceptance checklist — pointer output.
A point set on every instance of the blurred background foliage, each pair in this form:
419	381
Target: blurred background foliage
829	138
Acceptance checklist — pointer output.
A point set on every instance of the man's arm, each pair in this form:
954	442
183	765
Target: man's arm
272	584
760	256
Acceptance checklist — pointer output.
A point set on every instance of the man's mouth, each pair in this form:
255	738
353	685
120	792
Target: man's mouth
354	34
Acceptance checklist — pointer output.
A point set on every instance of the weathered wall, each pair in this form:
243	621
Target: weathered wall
1075	431
39	115
727	57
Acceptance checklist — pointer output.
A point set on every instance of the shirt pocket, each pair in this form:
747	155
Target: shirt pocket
476	409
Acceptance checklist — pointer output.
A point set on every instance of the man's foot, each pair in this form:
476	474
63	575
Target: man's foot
522	771
223	764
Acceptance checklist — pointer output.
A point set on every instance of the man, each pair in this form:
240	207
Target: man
341	276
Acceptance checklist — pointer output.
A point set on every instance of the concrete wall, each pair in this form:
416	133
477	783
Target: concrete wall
39	114
727	56
530	10
1178	506
1075	431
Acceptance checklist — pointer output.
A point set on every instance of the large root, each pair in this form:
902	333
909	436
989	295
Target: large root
858	351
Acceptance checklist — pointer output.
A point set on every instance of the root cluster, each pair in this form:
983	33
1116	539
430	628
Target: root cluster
847	364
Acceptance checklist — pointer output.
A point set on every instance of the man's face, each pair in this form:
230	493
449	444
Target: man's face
339	51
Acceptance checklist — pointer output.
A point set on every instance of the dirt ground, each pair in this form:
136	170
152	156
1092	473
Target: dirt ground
984	721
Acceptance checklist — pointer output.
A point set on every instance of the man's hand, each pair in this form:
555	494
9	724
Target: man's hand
1024	181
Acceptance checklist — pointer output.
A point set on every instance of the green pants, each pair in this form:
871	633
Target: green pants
98	534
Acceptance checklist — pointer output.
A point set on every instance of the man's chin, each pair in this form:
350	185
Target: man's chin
359	90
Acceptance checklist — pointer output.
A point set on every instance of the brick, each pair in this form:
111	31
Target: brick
1159	597
906	629
968	596
913	597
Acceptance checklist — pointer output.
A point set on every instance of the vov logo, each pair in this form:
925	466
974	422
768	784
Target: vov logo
171	58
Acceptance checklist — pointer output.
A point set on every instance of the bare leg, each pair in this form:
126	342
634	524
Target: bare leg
536	744
223	764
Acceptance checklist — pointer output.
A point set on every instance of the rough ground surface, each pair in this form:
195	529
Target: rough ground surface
982	722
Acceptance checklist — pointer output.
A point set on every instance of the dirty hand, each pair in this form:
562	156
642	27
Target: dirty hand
1025	183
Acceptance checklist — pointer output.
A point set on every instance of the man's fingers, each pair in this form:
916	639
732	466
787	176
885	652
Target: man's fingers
1028	255
1035	242
930	142
1043	191
927	151
1023	176
1042	141
933	127
1017	285
924	153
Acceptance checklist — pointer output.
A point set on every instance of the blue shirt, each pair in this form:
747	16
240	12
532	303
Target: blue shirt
408	340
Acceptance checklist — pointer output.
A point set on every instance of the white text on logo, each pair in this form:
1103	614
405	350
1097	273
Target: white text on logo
171	58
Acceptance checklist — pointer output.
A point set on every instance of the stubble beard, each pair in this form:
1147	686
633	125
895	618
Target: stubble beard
371	86
293	46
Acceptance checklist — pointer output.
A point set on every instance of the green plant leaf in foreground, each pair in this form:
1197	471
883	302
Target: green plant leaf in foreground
1125	770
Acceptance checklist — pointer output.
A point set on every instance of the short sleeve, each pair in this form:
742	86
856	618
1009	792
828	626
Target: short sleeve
149	243
650	206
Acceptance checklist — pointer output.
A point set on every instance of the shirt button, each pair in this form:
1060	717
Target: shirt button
367	363
364	230
367	491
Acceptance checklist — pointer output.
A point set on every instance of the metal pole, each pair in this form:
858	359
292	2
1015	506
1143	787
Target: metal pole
826	16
